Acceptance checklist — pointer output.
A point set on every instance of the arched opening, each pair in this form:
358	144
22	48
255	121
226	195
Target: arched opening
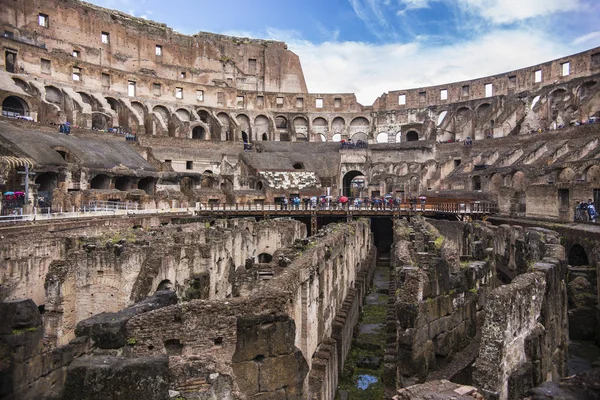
22	84
281	124
113	103
264	258
123	183
165	285
337	137
226	184
360	136
477	182
100	182
163	112
382	137
323	137
225	122
301	129
298	165
353	184
412	136
518	181
99	121
265	137
261	127
566	175
147	185
244	123
183	114
47	183
199	133
259	185
244	137
593	174
578	256
54	95
208	181
14	106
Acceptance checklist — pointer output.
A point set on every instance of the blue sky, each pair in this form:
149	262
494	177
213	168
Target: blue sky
372	46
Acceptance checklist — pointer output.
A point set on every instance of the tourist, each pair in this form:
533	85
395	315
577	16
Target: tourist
592	213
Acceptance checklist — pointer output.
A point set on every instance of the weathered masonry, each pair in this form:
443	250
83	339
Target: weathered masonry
255	300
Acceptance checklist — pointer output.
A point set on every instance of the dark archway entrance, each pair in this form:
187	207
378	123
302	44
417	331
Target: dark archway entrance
265	258
244	137
100	182
265	137
13	106
353	184
199	133
578	256
412	136
147	185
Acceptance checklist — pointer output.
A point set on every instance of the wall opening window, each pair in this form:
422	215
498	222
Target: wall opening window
537	76
444	94
189	165
131	88
401	99
178	93
260	101
252	65
465	91
9	34
156	89
182	75
220	98
239	101
319	103
76	74
168	163
46	66
76	53
105	37
279	101
566	68
422	97
337	102
43	20
105	80
158	50
457	162
489	90
512	81
299	102
199	95
10	61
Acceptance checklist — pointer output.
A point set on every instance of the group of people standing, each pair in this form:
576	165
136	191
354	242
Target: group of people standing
586	211
330	202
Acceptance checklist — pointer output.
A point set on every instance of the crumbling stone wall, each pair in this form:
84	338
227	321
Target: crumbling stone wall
438	306
525	334
261	345
110	272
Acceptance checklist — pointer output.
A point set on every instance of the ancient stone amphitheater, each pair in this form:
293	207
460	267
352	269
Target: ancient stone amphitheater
156	252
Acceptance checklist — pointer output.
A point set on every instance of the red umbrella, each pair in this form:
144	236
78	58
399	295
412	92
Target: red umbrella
343	199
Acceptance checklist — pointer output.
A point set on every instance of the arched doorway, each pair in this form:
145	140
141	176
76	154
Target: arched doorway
147	185
100	182
123	183
264	258
13	106
412	136
353	184
578	256
244	137
265	137
199	133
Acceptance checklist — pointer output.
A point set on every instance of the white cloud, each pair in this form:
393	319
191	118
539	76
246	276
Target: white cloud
587	38
509	11
370	70
413	5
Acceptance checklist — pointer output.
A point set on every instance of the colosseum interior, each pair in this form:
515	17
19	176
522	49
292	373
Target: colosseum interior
151	246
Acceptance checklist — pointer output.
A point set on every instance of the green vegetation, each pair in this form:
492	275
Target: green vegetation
24	330
439	241
132	341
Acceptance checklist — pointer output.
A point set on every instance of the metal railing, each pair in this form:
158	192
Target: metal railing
17	216
437	207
